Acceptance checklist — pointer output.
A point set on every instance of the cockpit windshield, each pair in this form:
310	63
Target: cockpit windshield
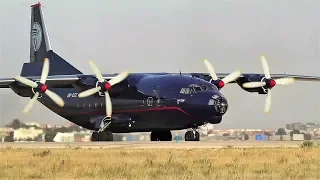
195	88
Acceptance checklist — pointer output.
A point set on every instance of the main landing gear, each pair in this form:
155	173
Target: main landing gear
167	136
161	136
103	135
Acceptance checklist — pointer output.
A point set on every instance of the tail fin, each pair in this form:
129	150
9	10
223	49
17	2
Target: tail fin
40	48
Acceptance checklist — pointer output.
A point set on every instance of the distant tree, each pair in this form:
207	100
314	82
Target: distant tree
225	134
281	132
15	124
294	131
268	134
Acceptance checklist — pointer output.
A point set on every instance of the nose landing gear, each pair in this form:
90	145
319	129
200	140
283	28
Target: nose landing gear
192	135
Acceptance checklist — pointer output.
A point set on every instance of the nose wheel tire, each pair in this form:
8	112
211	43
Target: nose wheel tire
102	136
192	136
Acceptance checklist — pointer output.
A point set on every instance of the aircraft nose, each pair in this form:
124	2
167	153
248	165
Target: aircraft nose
219	104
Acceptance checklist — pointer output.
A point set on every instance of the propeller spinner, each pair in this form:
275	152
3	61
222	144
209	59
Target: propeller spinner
268	82
103	86
40	88
221	83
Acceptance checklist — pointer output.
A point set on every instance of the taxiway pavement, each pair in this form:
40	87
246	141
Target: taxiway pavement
148	144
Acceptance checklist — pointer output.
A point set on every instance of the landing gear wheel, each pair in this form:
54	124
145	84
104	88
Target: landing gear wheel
153	136
161	136
102	136
95	136
192	136
105	136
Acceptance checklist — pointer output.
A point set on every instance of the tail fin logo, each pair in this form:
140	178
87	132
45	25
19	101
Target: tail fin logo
36	36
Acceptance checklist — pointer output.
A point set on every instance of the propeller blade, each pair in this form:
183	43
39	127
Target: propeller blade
285	81
118	78
96	71
268	102
231	77
210	69
253	84
26	81
265	67
45	71
57	99
31	103
89	92
108	104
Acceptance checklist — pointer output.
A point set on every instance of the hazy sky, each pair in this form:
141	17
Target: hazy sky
165	36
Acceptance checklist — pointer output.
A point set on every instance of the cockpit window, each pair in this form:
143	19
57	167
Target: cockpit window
205	87
194	88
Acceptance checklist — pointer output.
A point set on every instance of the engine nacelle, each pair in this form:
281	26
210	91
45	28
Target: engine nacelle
253	78
241	81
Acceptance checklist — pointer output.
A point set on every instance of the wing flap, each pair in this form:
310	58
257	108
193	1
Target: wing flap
52	81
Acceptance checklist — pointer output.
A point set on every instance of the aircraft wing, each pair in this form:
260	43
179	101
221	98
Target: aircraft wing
62	81
52	81
67	80
297	77
207	76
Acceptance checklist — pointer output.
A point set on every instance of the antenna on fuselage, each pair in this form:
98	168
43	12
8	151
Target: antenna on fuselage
180	72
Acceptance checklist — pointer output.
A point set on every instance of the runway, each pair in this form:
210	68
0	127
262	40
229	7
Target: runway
148	144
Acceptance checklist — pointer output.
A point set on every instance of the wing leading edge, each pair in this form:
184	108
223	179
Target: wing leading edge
206	76
68	80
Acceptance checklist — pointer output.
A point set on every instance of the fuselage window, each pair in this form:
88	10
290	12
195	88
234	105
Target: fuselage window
185	91
84	105
78	105
96	105
89	105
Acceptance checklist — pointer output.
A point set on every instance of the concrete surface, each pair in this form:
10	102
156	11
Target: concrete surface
148	144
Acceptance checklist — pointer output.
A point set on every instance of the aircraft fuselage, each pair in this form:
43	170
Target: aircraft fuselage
147	102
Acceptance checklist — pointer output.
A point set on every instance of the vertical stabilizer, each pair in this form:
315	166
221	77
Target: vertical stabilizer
39	38
40	48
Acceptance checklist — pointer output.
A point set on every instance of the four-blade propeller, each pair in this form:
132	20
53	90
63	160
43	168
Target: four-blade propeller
268	83
221	83
103	86
40	88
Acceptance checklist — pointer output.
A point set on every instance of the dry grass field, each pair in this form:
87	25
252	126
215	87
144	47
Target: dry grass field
225	163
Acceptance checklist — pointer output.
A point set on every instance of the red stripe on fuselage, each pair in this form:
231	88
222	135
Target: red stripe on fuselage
129	110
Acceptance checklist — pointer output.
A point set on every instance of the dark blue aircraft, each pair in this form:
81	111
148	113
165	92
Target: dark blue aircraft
135	102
